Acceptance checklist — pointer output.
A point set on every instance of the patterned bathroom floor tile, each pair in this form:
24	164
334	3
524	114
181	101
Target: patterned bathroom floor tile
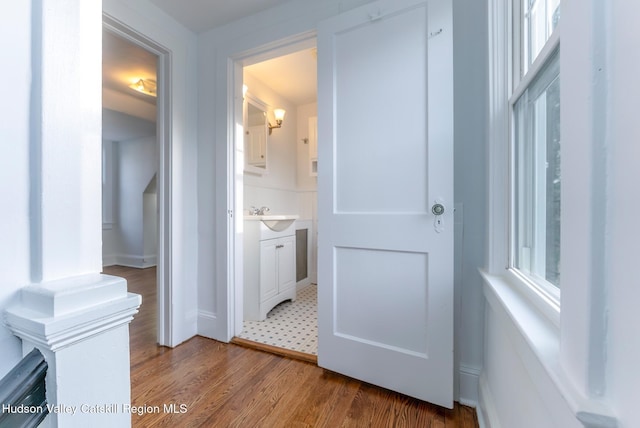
290	325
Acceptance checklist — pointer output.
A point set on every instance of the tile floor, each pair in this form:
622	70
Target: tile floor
290	325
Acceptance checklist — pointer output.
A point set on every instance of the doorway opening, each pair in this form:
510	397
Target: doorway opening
137	160
276	174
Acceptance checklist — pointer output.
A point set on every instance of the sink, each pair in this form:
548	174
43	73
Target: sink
277	223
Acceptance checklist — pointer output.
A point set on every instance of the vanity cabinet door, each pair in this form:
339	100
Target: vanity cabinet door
286	259
268	273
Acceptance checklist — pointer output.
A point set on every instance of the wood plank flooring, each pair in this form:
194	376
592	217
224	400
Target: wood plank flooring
213	384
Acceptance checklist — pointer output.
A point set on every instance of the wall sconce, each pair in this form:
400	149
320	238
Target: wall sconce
279	115
145	86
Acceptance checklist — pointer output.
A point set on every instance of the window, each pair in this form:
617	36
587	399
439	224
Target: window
539	19
535	150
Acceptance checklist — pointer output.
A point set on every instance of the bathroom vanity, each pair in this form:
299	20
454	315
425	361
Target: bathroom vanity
269	263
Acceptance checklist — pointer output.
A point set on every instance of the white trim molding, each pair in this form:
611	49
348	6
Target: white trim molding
486	410
207	324
129	260
468	379
537	344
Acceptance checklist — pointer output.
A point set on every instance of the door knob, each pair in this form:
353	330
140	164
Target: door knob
438	223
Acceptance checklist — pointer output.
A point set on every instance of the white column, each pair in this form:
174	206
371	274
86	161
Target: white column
66	139
81	326
77	317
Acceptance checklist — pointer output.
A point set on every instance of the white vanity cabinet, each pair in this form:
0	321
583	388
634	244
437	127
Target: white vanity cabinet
269	267
277	270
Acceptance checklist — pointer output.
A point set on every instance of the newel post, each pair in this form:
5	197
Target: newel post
81	326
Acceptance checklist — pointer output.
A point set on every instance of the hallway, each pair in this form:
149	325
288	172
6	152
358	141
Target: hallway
216	384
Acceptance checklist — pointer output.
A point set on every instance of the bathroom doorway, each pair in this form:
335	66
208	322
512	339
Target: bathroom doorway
283	178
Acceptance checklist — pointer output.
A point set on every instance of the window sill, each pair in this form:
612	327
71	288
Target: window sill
541	334
545	303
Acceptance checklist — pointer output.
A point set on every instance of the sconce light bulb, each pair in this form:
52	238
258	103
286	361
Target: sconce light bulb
279	114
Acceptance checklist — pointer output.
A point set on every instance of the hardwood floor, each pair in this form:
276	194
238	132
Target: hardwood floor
213	384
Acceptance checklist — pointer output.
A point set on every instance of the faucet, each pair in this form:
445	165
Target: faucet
258	211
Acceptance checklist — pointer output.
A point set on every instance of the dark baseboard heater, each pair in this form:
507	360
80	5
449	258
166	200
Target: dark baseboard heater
22	393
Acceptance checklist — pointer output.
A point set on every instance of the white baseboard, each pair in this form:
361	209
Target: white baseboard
207	324
140	262
468	385
301	285
487	413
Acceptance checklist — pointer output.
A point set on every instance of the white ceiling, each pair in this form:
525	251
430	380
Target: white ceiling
124	63
202	15
292	76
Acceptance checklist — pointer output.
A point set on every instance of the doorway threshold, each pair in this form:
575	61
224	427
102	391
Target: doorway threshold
289	353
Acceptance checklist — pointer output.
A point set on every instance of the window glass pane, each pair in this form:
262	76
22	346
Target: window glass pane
536	191
539	19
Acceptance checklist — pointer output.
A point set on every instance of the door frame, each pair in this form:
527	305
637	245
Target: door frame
164	139
236	63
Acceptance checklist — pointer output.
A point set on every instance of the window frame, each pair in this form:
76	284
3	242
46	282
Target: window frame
544	295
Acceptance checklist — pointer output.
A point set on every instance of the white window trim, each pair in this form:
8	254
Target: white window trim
535	314
545	296
503	76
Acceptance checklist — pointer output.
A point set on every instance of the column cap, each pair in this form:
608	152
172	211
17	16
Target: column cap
56	314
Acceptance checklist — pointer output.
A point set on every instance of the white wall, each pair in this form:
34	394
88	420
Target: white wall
15	40
127	172
137	166
150	223
623	347
308	187
306	182
470	98
297	17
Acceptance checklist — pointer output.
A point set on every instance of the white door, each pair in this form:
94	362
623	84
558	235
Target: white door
385	142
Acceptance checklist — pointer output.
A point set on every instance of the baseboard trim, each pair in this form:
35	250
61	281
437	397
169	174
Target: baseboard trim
206	326
468	385
487	413
139	262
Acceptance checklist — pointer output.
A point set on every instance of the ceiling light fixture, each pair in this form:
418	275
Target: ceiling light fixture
145	86
279	115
